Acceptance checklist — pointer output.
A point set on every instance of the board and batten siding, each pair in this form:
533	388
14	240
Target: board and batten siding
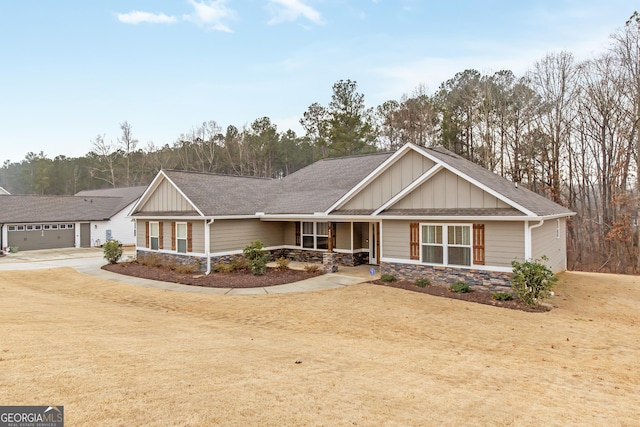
234	234
402	173
141	233
166	198
550	240
447	190
504	241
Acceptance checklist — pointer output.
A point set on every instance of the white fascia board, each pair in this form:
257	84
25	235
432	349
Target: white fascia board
478	184
147	193
373	175
409	188
167	218
329	218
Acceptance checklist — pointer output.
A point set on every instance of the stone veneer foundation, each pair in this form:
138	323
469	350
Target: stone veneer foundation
480	280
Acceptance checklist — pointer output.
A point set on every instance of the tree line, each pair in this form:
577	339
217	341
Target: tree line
566	129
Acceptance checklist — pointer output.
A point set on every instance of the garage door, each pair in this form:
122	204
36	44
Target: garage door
41	236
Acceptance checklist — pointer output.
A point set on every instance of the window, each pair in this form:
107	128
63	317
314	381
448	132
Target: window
20	227
315	235
37	227
29	227
63	226
154	234
46	227
69	226
12	228
446	244
181	237
54	226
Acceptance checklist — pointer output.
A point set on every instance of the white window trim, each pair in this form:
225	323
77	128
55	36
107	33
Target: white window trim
315	234
186	247
151	236
445	243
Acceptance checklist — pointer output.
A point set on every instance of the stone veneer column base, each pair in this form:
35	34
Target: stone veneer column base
480	280
329	262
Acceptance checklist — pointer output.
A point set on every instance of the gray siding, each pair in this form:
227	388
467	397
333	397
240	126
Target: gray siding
166	198
503	242
551	242
395	239
343	235
289	233
197	234
447	190
235	234
402	173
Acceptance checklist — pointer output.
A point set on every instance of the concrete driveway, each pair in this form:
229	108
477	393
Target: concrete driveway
89	260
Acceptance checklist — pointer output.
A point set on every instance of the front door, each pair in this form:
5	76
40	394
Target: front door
374	243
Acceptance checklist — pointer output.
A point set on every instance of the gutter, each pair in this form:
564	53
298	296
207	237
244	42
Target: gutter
207	244
528	240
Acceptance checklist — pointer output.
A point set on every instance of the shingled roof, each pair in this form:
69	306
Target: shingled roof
537	204
29	208
89	205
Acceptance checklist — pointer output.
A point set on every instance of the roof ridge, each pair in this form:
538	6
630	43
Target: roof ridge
217	174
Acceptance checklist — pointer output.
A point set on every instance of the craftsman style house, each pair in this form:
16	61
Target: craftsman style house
417	212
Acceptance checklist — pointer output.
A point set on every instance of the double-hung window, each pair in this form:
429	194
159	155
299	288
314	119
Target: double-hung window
181	237
154	235
446	244
315	235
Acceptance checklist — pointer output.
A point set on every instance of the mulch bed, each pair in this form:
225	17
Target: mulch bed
244	279
236	279
471	296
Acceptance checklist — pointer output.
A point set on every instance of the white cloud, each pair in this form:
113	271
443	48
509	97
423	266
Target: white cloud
137	17
291	10
211	14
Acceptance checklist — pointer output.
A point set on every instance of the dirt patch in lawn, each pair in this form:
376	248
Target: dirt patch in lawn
471	296
366	355
235	279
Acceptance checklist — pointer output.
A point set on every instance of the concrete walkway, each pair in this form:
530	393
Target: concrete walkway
88	261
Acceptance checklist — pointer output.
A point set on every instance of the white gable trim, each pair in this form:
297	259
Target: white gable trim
154	186
409	188
369	178
477	183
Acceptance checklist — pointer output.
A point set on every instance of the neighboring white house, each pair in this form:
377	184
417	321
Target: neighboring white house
87	219
3	192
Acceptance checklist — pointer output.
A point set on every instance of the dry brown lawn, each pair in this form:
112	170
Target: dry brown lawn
368	355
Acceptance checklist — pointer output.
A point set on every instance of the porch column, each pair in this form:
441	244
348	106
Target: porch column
332	233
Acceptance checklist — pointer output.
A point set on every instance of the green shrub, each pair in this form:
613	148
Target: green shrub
256	257
388	277
283	263
532	281
422	282
238	264
112	251
459	287
501	296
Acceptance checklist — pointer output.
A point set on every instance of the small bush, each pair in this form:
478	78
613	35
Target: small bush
312	268
422	282
150	260
112	251
459	287
282	263
238	264
256	257
388	277
501	296
222	267
190	268
532	281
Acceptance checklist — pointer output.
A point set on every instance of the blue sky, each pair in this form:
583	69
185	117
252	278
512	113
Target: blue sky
73	69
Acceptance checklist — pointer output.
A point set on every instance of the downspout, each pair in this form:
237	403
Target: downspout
207	243
1	239
528	249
